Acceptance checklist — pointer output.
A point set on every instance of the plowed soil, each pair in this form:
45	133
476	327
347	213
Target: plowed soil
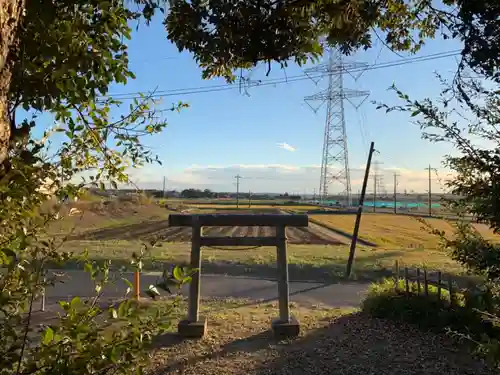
161	230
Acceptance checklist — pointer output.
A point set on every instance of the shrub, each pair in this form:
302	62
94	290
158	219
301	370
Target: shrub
429	312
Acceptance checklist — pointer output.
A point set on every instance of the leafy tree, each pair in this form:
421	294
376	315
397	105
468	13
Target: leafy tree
64	55
61	56
225	35
468	116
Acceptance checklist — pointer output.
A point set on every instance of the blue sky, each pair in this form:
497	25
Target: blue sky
227	132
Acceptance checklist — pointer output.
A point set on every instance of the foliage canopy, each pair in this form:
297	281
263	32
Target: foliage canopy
225	35
68	53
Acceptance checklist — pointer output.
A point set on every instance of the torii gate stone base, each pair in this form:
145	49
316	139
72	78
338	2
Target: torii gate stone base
194	326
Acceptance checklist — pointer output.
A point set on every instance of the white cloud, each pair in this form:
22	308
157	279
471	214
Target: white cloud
282	178
286	146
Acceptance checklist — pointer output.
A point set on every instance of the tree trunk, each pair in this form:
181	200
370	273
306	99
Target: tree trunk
11	12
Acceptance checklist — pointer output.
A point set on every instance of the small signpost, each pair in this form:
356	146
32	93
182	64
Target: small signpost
195	326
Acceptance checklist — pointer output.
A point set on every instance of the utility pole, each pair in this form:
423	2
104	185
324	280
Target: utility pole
249	199
429	197
238	177
376	178
395	192
164	183
352	250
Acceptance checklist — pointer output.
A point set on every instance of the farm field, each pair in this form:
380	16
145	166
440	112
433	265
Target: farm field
314	252
160	230
395	231
244	206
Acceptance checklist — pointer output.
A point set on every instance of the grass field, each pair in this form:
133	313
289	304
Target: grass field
306	262
115	232
395	231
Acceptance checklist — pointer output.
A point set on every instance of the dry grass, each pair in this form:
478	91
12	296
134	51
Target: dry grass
332	341
395	231
305	261
105	214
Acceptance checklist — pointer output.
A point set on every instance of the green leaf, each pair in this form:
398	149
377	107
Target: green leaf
129	284
178	273
75	302
113	313
48	336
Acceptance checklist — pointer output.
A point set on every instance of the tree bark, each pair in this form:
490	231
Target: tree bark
11	12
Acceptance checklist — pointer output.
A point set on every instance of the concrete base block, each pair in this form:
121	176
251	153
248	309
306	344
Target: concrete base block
284	330
192	330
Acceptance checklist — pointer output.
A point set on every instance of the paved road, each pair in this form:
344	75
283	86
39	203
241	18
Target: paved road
78	283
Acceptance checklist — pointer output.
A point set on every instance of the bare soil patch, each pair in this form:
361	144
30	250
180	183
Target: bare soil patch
160	230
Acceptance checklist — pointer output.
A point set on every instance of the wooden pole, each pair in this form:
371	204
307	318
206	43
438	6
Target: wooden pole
396	278
283	287
360	211
42	303
407	282
194	286
137	285
440	280
426	283
450	289
418	280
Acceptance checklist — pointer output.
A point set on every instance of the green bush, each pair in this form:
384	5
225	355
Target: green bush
428	312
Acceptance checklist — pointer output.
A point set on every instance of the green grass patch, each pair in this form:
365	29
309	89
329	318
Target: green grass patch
311	262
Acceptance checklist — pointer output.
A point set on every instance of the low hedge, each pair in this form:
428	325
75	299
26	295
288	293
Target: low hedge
428	312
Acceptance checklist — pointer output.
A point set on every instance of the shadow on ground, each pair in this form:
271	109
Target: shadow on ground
341	347
348	236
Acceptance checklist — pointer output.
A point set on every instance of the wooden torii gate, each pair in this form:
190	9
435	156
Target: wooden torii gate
195	326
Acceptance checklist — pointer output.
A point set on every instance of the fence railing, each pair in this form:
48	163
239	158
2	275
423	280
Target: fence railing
423	279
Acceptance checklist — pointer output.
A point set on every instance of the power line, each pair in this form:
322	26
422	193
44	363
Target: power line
276	81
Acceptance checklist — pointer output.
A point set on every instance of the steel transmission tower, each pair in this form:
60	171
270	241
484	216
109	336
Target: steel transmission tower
335	156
